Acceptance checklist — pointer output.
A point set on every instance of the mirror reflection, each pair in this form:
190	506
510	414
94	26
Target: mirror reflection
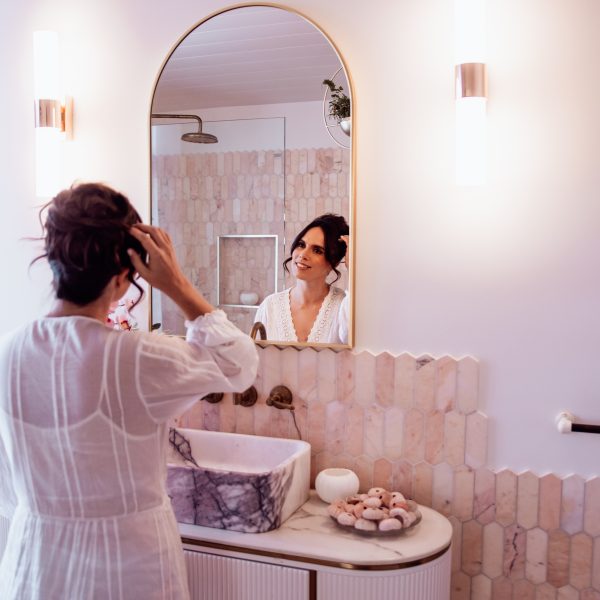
251	175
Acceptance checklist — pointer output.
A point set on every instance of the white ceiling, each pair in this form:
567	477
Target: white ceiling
250	55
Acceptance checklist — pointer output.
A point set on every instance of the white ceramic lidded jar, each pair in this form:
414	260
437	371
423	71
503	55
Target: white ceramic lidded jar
336	484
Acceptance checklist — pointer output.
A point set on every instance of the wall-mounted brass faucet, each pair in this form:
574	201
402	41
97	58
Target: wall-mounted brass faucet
280	397
247	397
258	328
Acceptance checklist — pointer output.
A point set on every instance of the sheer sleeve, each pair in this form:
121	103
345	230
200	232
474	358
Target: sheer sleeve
172	373
8	499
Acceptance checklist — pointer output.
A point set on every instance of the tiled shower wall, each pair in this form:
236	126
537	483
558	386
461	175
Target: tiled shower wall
203	196
412	424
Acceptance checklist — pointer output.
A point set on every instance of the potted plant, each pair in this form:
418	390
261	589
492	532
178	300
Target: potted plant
339	105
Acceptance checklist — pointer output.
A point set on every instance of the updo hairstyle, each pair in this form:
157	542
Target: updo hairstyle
333	227
86	239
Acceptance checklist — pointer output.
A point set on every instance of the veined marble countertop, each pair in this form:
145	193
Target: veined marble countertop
310	533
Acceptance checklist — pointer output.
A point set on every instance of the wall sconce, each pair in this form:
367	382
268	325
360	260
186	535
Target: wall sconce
471	92
53	118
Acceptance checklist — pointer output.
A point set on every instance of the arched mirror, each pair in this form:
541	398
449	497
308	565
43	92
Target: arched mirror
249	146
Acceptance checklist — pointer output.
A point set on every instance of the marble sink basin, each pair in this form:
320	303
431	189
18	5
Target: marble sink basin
240	482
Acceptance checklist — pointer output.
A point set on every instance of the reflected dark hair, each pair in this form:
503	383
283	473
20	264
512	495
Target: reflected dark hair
333	226
86	237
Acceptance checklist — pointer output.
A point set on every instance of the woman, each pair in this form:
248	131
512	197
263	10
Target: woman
312	310
83	410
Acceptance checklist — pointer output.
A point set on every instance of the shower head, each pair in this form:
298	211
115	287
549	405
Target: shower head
196	137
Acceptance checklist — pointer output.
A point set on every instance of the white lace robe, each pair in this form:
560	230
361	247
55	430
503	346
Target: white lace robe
83	434
330	326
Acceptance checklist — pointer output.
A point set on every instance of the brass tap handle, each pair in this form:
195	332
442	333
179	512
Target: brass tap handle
247	397
213	398
280	397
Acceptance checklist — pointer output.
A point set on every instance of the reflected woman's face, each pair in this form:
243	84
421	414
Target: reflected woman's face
308	258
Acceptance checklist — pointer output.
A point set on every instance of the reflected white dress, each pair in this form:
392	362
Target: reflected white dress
330	326
83	437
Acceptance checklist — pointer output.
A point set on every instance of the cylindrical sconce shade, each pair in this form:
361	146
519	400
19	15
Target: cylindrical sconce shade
47	161
48	113
471	141
46	65
471	92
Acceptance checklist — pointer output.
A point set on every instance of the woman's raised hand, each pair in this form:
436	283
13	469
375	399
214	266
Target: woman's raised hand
163	272
162	269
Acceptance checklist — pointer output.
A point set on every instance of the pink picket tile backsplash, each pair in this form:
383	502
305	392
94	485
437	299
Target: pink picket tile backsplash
413	424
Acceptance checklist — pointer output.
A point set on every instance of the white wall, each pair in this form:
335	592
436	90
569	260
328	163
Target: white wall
509	273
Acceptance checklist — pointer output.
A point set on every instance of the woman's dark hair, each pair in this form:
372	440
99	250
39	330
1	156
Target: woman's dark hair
86	239
333	227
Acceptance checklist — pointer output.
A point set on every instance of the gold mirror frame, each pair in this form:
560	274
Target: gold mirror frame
352	180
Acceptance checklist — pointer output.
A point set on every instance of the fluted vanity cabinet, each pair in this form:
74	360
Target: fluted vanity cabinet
214	577
310	558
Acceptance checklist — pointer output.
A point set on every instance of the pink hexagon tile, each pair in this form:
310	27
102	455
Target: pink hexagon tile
383	474
514	552
443	488
472	547
364	470
467	385
460	586
326	384
355	426
550	493
558	558
374	431
567	592
484	500
506	497
476	441
393	425
536	554
424	394
481	587
405	367
527	499
335	426
523	590
502	588
493	550
580	567
423	484
413	442
316	426
571	512
591	513
346	367
454	438
462	501
403	478
596	564
445	384
545	591
384	379
434	437
456	543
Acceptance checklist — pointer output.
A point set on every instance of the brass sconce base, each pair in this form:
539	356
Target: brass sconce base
51	113
471	80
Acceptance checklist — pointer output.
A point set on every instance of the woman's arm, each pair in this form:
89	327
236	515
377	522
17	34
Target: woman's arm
170	373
